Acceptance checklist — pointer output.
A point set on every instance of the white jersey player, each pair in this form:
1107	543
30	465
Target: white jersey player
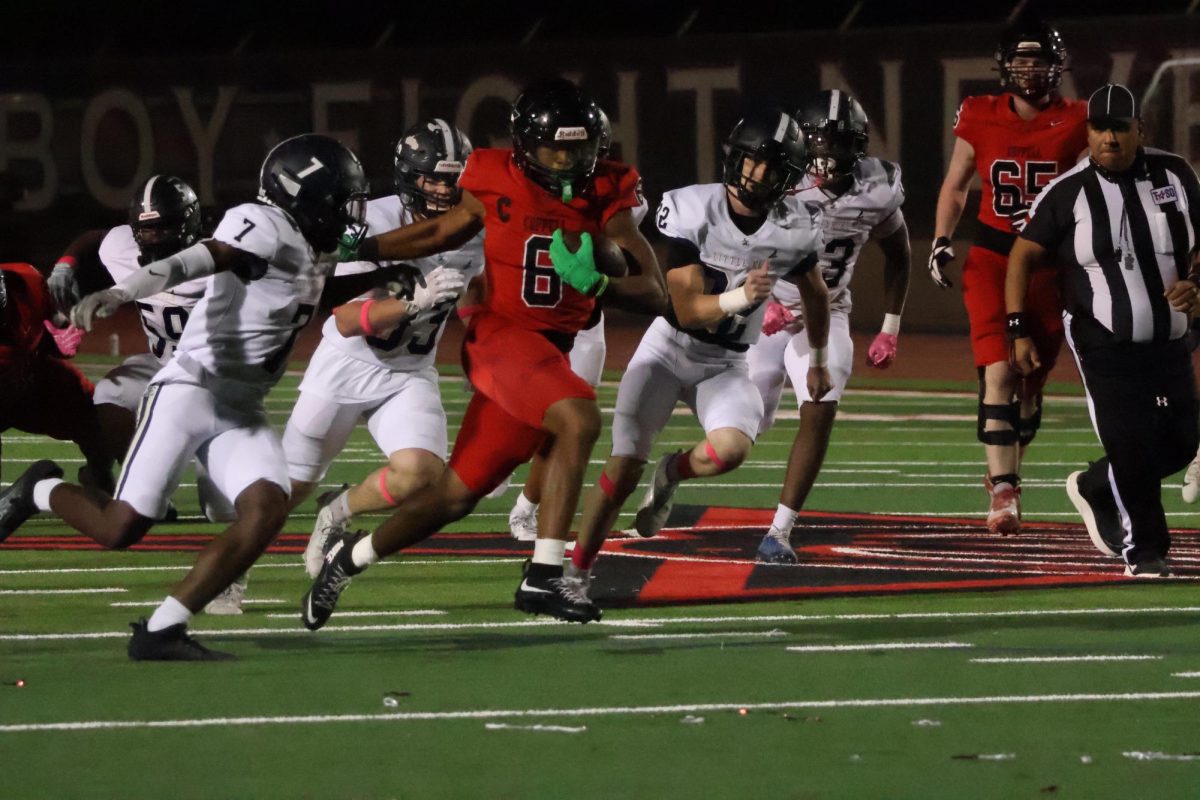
727	244
861	197
376	357
208	401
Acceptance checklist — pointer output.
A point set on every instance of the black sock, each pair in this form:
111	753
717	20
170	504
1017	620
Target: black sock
1012	479
543	572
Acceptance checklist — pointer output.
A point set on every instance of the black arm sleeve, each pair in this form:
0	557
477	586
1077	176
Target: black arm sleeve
795	273
681	253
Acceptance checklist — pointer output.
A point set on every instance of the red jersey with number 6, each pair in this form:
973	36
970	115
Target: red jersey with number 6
1015	157
519	220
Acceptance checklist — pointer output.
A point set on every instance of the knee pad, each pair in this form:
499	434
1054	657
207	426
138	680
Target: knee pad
1008	412
1027	427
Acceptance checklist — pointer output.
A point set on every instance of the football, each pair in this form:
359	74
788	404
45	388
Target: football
610	259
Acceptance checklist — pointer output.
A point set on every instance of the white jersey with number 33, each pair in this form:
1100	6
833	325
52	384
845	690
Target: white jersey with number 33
244	327
410	346
164	314
870	209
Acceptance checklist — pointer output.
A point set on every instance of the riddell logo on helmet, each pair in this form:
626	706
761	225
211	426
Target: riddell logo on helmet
448	166
145	215
570	135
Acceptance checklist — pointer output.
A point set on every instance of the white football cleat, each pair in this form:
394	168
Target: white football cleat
229	602
656	505
323	530
523	525
1191	481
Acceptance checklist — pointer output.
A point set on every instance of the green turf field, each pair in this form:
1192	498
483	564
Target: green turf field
427	684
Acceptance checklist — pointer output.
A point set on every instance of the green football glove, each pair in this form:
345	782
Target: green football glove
578	269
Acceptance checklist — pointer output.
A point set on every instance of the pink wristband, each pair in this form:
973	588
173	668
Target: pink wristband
364	320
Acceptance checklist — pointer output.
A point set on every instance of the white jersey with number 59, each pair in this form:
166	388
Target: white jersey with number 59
787	240
164	314
870	209
244	327
409	346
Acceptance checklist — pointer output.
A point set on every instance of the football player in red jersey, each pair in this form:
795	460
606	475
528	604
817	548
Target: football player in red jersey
42	393
539	295
1017	142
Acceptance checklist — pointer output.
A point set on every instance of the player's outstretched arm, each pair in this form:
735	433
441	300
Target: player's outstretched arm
447	231
644	290
373	317
198	261
952	199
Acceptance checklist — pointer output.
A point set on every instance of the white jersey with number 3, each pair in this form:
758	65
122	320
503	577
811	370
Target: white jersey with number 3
870	209
163	315
787	240
244	327
413	345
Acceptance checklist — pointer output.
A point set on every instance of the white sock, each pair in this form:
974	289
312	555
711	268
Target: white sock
524	505
549	551
171	612
364	554
41	492
785	519
339	508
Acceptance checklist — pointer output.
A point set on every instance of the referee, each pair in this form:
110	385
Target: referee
1122	226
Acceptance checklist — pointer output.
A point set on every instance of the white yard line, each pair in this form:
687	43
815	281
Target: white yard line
1062	659
721	635
417	612
602	711
105	590
1185	674
265	601
639	622
857	648
259	565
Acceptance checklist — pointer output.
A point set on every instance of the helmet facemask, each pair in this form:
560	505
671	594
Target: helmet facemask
833	154
563	166
755	187
158	238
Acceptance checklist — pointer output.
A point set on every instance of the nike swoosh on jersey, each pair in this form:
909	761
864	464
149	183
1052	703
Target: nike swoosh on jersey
525	587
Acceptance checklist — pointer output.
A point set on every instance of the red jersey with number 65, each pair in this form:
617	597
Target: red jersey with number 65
1015	157
519	220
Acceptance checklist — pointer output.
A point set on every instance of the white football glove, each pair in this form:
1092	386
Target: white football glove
942	254
442	285
98	306
64	286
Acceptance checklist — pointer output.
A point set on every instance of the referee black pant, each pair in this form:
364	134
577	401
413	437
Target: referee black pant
1142	397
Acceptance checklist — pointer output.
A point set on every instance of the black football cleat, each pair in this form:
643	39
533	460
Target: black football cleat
169	644
317	605
557	595
16	502
1095	503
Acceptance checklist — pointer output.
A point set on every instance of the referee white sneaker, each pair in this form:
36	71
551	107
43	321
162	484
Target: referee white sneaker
1191	481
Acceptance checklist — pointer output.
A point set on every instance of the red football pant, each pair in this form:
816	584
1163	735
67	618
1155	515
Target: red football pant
47	396
983	293
517	374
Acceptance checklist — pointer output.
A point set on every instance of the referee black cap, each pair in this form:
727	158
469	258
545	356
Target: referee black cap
1111	101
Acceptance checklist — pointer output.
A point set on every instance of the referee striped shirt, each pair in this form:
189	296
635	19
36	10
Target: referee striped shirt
1122	240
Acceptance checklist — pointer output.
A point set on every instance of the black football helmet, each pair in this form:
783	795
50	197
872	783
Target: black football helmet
771	137
165	217
1031	39
320	184
562	121
430	156
836	132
